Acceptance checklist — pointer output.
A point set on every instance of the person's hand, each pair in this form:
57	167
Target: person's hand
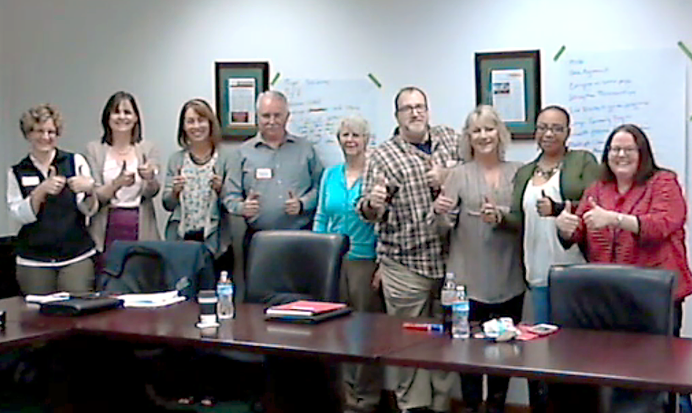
292	205
80	183
490	213
178	183
147	171
443	204
376	279
216	182
125	178
53	184
251	205
378	195
545	205
567	222
435	176
597	217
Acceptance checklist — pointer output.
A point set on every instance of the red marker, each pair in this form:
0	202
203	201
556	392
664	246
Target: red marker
437	328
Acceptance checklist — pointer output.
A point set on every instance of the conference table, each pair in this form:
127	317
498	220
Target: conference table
631	360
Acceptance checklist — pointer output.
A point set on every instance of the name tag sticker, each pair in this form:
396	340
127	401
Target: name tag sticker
30	180
263	173
451	163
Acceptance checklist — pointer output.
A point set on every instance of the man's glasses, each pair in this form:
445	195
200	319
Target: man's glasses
543	128
409	109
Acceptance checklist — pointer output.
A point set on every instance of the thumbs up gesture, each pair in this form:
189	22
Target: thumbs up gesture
146	170
251	205
378	195
567	222
216	181
81	183
435	176
53	184
125	178
490	213
596	217
443	204
292	206
545	205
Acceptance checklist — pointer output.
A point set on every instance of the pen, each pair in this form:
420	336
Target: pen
438	328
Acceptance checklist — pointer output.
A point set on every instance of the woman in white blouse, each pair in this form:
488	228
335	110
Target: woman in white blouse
50	194
125	169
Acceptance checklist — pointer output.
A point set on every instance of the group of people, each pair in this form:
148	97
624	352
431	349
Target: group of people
423	203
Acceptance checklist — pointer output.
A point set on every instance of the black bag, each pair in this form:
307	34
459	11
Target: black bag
80	306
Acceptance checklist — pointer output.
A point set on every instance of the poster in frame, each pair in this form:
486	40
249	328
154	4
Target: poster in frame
511	83
237	86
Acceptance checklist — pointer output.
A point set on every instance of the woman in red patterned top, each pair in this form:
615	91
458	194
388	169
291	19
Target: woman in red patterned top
635	214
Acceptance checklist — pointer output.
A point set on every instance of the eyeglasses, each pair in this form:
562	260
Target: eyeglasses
49	132
625	150
543	128
408	109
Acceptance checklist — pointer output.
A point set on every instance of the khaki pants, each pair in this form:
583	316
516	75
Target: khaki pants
73	278
408	294
362	382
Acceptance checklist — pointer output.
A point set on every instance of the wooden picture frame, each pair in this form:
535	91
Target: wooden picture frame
511	83
237	86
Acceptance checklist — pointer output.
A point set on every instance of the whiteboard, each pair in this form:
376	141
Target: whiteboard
602	90
318	105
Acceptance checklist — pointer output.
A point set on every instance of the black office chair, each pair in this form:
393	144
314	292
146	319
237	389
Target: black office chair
617	298
285	266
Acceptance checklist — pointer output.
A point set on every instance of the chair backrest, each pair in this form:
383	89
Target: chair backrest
299	264
612	297
154	266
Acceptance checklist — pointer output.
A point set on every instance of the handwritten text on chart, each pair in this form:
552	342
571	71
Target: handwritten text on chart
600	100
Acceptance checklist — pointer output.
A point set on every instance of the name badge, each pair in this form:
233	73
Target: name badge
263	173
451	163
30	181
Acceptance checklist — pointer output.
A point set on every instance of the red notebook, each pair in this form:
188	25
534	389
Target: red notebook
304	308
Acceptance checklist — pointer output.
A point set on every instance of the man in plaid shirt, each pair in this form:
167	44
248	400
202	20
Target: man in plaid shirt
403	177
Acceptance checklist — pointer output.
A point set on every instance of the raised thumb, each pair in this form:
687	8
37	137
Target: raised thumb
568	206
592	202
442	191
253	195
290	194
124	168
52	171
543	193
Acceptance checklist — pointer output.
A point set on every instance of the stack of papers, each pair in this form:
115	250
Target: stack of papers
47	298
151	300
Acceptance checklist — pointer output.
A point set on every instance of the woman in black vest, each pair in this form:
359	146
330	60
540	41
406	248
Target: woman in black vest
50	194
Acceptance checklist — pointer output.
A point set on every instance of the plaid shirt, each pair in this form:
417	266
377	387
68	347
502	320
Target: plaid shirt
406	230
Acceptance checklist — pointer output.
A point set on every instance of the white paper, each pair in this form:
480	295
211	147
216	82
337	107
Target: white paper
151	300
47	298
509	94
241	101
318	105
603	90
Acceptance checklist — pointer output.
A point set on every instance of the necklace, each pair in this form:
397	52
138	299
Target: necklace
547	173
201	160
122	152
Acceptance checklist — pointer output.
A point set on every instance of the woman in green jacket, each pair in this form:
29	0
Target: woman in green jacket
541	188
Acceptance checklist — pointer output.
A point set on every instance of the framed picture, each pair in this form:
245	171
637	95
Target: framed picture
511	83
237	86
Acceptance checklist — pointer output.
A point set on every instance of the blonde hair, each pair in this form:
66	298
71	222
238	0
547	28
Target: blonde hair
40	114
357	124
484	112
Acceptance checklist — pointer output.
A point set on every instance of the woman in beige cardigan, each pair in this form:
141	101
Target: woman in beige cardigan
125	170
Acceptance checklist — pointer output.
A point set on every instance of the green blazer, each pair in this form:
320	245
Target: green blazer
579	169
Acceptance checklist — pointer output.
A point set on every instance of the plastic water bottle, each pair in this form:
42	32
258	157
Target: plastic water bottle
447	298
224	290
460	314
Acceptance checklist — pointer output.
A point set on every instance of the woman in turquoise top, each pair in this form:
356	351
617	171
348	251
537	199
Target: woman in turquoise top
336	213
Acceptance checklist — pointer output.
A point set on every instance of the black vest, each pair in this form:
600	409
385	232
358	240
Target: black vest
59	232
